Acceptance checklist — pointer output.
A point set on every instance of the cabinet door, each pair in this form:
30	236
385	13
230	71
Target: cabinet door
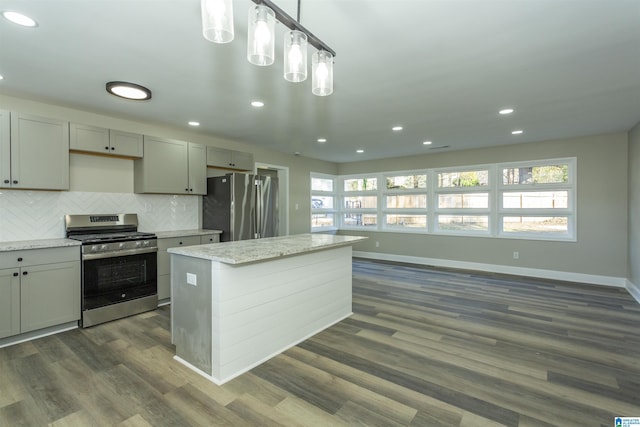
9	302
164	167
39	152
197	169
5	149
242	161
88	138
218	157
49	295
125	143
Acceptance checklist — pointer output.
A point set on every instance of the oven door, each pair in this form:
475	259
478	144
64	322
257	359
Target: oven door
118	278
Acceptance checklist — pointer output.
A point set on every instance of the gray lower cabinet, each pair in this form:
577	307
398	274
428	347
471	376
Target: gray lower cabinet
9	302
39	288
164	261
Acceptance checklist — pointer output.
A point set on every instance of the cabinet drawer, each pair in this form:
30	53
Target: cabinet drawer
209	238
12	259
172	242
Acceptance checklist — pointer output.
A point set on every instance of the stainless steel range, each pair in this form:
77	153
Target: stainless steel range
119	266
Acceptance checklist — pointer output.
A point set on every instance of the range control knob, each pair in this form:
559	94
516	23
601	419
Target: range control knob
104	247
122	245
95	248
138	244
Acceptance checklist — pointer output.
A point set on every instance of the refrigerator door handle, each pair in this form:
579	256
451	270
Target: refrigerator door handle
258	199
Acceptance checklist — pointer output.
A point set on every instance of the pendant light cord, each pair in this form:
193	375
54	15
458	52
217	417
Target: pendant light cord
298	11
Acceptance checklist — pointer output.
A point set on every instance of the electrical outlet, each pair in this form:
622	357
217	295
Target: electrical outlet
516	255
192	279
377	244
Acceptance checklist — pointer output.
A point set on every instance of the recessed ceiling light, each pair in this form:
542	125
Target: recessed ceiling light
1	77
193	123
506	111
19	18
322	140
427	143
129	91
360	151
396	128
257	103
517	132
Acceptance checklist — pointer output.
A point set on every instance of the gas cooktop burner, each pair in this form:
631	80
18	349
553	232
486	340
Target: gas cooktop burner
112	237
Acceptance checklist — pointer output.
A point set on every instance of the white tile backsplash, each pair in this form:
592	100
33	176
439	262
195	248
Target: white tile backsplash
32	215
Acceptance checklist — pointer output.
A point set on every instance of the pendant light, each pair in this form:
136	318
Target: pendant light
217	20
260	42
322	73
295	56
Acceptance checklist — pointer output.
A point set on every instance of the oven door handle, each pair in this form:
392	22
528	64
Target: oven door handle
119	253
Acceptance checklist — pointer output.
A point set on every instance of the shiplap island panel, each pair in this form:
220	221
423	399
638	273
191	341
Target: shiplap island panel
237	304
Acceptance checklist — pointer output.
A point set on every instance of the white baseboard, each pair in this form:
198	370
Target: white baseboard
633	289
593	279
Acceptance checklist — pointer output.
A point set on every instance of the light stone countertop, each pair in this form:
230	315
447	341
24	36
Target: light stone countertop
21	245
247	251
182	233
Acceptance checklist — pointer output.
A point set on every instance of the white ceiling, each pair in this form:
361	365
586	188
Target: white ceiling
440	68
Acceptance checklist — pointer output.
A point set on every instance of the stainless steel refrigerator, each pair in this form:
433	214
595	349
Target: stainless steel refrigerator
243	206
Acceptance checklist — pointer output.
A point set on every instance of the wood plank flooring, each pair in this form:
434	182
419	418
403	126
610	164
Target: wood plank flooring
425	347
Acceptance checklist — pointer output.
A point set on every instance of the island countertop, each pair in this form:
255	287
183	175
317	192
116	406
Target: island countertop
255	250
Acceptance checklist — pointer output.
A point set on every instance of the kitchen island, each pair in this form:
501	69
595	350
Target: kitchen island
237	304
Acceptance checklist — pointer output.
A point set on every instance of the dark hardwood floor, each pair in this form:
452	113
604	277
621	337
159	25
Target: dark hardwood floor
425	347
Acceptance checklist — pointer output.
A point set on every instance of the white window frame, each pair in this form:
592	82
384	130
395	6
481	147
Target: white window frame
385	210
495	211
569	212
343	210
332	211
437	191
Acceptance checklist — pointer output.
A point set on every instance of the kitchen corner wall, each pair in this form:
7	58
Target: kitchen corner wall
33	215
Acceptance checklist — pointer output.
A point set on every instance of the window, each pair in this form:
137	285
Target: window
524	200
536	200
405	202
323	197
462	201
360	202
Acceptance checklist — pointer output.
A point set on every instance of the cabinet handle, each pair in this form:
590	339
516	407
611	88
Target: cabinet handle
24	273
179	243
15	181
15	274
20	259
113	148
106	148
6	181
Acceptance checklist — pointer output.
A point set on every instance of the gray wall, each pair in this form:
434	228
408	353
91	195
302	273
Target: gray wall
601	247
634	206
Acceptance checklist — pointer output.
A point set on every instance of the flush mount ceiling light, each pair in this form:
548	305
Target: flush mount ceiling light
128	91
217	26
19	18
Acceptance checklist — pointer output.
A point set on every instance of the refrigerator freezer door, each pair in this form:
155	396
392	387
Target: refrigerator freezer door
267	206
243	208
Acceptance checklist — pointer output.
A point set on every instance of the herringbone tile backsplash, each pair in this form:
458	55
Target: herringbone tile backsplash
32	215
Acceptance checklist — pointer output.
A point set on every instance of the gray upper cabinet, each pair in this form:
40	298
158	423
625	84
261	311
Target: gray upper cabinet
93	139
36	155
229	159
170	167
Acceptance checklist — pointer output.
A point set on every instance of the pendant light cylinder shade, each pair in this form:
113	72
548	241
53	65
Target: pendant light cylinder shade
260	41
295	56
322	73
217	20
